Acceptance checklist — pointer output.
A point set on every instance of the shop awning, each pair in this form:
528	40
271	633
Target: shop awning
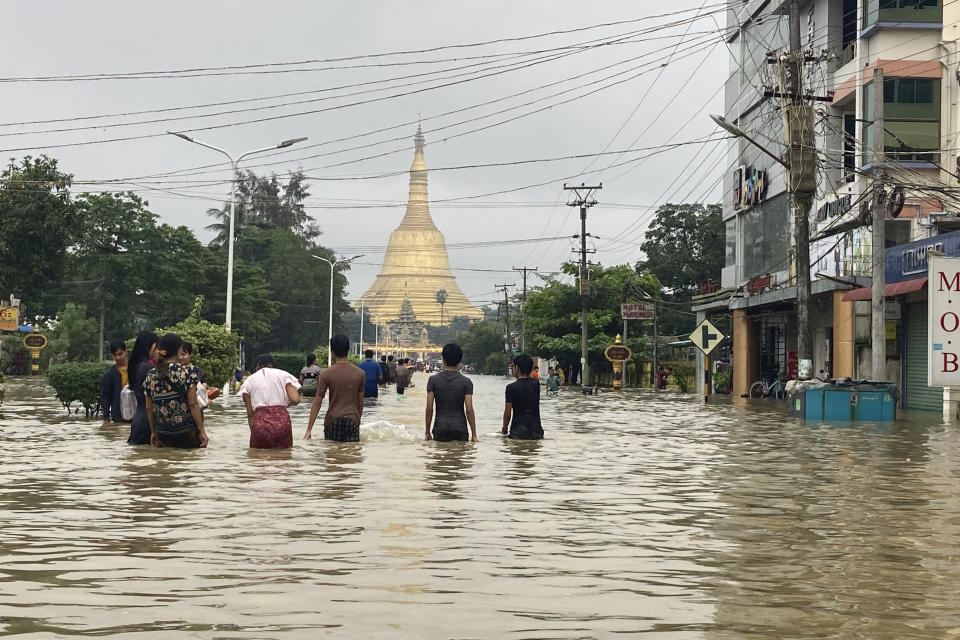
895	289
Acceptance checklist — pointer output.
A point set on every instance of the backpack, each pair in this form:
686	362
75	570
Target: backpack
128	403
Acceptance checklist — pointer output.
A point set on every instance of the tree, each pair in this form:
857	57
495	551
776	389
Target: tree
263	200
441	300
75	337
552	313
37	224
684	246
215	348
481	340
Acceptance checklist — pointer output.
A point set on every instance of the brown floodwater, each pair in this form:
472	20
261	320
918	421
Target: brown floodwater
638	514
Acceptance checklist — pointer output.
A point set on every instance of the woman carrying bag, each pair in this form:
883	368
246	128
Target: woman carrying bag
175	416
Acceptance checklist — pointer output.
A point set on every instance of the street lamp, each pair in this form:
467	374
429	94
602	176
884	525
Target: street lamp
333	264
729	127
233	204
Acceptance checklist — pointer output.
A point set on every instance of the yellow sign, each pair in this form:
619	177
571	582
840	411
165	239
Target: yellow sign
9	318
891	330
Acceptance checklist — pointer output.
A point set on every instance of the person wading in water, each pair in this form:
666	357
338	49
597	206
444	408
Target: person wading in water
452	393
345	382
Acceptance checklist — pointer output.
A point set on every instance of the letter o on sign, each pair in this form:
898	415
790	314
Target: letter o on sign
953	320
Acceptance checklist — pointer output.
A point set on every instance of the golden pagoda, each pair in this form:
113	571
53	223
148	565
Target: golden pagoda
416	268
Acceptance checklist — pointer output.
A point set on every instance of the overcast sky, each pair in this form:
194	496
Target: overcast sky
671	78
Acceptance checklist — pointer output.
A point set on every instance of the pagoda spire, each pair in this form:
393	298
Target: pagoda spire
415	266
417	215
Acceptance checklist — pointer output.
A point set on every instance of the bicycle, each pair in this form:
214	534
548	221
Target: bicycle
763	389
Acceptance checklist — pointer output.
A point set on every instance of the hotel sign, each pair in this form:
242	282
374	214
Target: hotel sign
637	311
749	186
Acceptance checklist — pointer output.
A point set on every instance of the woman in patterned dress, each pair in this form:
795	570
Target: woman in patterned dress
170	391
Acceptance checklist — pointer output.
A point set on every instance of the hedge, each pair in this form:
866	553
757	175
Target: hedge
78	382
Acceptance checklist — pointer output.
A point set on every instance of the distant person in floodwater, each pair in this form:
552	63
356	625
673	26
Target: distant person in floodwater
267	392
308	376
385	371
391	370
553	381
373	372
535	374
344	381
170	390
142	359
114	380
521	412
403	377
662	376
186	359
452	392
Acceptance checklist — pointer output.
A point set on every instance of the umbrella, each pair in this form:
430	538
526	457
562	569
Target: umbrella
25	328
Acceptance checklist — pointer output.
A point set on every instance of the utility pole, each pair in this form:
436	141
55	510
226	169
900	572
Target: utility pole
103	304
523	305
583	199
802	159
508	344
878	336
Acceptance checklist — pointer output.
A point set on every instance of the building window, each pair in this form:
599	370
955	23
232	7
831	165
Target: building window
911	119
903	11
849	146
766	237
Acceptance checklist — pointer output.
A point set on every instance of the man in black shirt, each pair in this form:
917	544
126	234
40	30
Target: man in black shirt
523	403
453	395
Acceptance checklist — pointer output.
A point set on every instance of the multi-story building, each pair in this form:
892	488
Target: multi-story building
844	41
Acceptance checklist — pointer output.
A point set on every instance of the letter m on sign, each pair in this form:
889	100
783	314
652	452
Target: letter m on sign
952	284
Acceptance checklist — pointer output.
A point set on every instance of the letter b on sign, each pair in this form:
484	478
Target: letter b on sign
950	364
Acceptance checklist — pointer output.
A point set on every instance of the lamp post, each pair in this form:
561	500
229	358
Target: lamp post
233	204
333	265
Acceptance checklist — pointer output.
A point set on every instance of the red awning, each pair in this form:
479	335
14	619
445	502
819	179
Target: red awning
895	289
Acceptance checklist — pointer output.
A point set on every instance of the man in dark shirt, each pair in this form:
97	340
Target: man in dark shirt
113	382
523	403
453	395
373	372
391	370
385	375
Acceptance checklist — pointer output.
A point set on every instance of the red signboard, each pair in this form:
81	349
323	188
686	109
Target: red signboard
758	284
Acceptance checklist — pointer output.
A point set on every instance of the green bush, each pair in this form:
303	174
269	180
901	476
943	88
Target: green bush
214	348
292	361
683	375
495	364
78	382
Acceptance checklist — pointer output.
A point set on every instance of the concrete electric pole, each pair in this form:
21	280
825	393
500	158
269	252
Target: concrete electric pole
583	199
523	304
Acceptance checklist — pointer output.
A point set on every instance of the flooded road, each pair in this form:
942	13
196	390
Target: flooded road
639	514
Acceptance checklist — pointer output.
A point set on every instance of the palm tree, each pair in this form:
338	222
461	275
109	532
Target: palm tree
441	300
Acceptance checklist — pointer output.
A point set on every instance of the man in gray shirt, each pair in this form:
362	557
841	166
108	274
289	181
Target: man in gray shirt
453	395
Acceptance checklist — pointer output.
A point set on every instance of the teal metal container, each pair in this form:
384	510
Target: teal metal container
846	403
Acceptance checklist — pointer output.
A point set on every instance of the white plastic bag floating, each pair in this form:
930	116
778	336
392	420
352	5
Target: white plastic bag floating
128	403
202	398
